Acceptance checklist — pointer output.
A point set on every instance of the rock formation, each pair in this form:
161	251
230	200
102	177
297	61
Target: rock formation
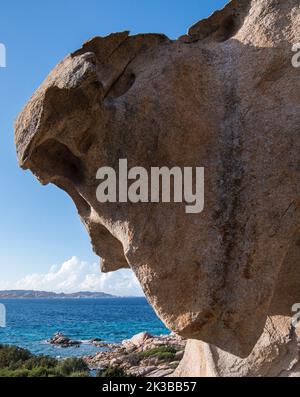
225	97
59	339
143	355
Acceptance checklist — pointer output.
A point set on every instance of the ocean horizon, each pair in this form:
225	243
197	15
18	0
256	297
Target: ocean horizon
31	322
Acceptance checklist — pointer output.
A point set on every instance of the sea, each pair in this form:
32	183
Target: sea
31	322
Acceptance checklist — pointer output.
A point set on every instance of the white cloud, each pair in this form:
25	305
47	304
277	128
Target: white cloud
75	275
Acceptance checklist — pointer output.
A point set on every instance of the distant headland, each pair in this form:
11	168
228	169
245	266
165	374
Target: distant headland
31	294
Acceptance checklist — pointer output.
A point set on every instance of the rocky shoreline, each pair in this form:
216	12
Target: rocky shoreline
143	355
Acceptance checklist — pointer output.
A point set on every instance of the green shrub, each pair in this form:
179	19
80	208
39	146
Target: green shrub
17	362
38	372
79	375
165	352
70	365
17	373
112	372
41	361
13	357
134	359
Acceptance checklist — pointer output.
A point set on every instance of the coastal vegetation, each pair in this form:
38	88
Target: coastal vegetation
18	362
164	353
142	355
113	372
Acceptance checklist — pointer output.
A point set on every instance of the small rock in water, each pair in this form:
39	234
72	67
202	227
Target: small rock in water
59	339
96	341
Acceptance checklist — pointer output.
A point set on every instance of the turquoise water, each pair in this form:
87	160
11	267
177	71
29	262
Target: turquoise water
31	322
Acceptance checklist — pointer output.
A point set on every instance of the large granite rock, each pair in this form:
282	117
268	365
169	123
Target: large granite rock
276	354
225	97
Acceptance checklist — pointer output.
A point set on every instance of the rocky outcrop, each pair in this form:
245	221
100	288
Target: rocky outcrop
59	339
143	355
225	97
136	341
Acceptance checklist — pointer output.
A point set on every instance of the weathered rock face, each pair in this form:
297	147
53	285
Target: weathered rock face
224	97
276	354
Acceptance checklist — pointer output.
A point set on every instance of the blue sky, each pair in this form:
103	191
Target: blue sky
39	226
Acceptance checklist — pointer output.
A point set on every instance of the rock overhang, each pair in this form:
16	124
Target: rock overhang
79	115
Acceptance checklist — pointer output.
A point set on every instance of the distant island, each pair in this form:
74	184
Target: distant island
30	294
